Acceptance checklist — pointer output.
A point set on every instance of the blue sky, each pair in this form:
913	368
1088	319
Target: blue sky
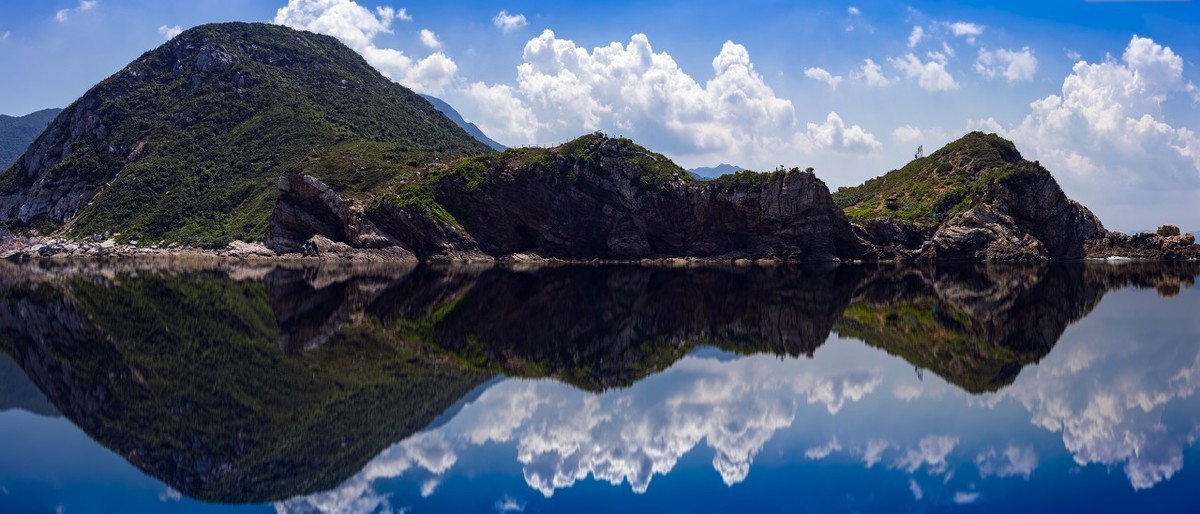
1100	92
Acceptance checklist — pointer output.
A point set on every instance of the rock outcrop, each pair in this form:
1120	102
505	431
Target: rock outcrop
1024	216
607	198
1167	243
978	199
596	198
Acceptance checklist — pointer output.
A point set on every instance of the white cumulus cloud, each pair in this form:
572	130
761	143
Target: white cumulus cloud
509	22
930	75
1108	139
430	40
169	32
563	90
834	135
822	75
872	73
966	30
357	27
1013	65
853	11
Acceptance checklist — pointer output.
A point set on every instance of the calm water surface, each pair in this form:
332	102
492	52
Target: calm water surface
1052	388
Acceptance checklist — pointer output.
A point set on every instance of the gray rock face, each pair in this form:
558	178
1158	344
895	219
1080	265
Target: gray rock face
308	207
892	238
46	195
611	209
1146	245
571	210
1022	217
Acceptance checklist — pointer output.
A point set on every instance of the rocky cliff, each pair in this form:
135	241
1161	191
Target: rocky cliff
977	198
596	197
974	199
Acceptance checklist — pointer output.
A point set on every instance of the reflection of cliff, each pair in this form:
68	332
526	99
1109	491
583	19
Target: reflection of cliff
182	376
978	325
609	327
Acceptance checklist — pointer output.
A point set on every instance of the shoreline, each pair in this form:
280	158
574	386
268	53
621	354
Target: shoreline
56	250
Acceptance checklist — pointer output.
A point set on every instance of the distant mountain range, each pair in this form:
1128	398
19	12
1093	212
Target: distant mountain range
711	172
457	118
16	132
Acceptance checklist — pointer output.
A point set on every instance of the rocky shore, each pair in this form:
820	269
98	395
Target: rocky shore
1166	244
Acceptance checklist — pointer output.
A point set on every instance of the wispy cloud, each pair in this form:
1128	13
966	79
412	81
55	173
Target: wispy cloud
62	15
821	75
915	36
966	497
509	504
509	22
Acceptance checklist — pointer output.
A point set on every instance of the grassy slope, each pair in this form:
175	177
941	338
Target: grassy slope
939	185
215	151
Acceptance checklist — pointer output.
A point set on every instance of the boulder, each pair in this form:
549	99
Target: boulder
243	249
1168	231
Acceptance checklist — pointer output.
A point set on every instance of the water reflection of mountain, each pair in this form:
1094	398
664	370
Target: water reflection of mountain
287	382
181	375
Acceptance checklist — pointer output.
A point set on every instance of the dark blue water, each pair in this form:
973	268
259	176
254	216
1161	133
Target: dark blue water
1047	389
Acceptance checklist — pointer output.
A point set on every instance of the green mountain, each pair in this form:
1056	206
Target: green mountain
457	118
188	142
16	132
934	187
974	199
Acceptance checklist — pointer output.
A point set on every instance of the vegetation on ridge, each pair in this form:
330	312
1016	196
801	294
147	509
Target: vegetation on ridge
586	152
940	185
197	132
